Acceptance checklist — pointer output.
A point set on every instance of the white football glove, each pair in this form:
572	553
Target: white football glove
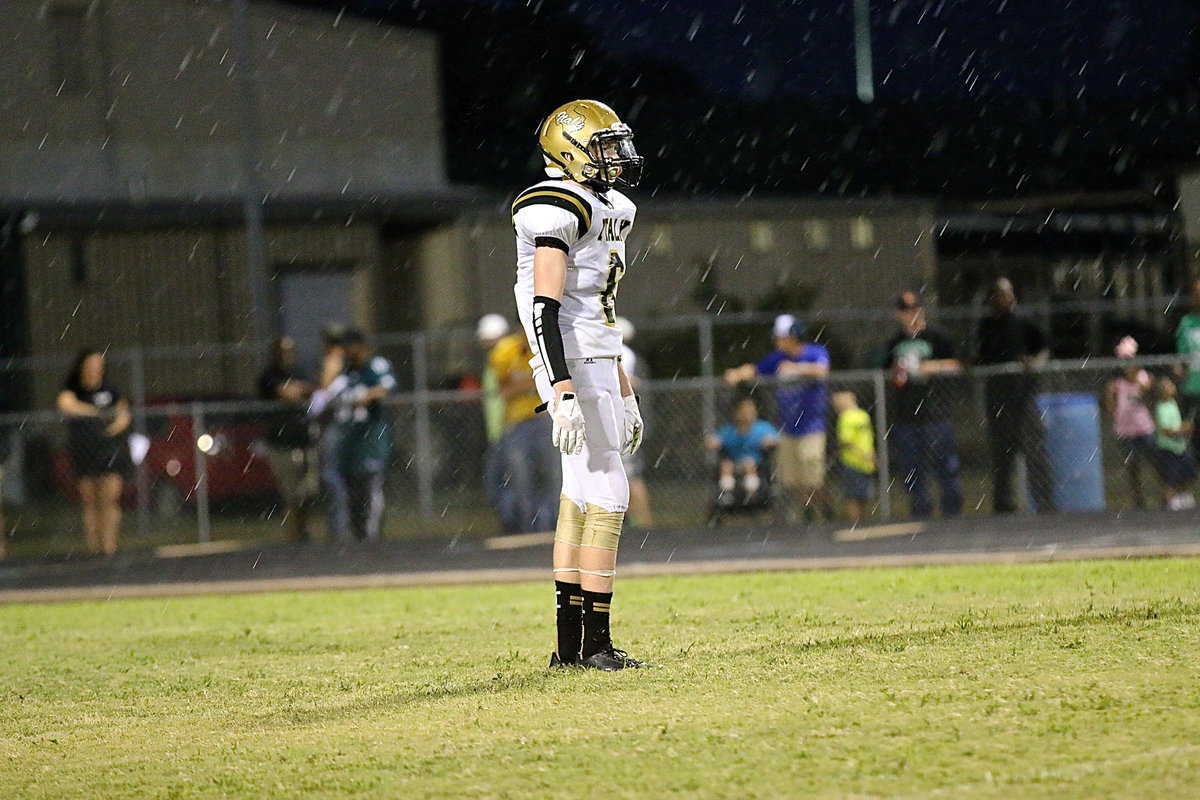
568	425
634	427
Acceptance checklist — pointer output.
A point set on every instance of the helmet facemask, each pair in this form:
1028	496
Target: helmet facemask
613	158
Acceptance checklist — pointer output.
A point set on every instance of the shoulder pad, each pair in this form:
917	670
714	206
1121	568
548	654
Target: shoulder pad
559	197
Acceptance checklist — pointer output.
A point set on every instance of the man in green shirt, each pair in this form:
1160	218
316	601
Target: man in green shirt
365	429
1187	344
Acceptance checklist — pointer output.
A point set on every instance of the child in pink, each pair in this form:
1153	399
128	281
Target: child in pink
1127	400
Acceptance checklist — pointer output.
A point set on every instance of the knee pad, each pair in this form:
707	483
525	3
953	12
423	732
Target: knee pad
570	522
602	528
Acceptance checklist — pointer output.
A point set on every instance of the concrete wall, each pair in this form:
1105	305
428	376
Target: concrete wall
161	287
137	100
167	288
852	256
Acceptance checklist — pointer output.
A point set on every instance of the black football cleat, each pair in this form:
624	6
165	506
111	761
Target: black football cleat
611	660
558	663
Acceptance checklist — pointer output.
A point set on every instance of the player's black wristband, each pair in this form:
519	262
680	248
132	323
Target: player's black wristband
549	338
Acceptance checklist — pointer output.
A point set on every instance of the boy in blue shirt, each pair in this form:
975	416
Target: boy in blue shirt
741	446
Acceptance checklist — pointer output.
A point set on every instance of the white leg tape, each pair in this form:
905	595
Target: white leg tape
566	569
599	573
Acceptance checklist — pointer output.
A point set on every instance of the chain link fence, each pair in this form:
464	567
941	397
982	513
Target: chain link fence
673	347
199	471
203	471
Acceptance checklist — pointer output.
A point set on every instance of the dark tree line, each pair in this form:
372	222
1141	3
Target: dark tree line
504	66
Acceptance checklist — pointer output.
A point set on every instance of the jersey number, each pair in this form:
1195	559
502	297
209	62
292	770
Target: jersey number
608	298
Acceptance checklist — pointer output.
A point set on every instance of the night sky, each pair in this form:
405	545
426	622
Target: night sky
972	98
968	48
943	48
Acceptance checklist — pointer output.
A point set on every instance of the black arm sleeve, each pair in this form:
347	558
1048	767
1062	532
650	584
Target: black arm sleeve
551	241
549	338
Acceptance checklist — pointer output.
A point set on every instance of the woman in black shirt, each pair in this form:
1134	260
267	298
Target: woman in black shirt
97	421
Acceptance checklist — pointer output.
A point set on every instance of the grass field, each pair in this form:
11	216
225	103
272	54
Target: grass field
1057	680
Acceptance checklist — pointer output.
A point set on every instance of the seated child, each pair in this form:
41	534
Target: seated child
741	445
856	446
1176	466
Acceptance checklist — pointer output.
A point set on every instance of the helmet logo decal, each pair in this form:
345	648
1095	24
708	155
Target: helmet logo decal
569	122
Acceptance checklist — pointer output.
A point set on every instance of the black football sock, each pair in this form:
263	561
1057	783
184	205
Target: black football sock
596	607
568	608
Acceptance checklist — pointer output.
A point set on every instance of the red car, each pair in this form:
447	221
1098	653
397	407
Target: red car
231	450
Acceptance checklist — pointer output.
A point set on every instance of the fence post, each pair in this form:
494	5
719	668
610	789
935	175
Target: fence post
709	401
425	463
137	369
882	453
200	461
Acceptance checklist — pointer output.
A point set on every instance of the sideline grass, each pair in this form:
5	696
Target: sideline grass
1054	680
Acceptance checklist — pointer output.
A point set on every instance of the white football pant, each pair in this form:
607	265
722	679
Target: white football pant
596	475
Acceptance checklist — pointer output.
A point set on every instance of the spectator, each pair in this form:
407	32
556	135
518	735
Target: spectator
288	439
919	358
639	513
488	332
741	447
97	424
856	446
802	369
364	431
337	501
1176	465
1187	344
1014	425
532	466
1126	400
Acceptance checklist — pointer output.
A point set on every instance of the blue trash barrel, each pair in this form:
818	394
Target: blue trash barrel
1072	422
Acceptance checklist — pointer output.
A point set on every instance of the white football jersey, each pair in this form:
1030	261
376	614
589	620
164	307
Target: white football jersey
593	230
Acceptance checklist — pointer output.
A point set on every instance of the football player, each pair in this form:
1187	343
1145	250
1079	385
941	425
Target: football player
571	232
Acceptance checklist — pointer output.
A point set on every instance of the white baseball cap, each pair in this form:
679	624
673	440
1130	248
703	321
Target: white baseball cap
491	326
785	325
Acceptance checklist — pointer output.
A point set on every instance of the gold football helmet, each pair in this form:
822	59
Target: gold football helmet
588	143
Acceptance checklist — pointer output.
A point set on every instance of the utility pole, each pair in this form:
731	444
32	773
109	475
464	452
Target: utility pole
864	79
253	195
